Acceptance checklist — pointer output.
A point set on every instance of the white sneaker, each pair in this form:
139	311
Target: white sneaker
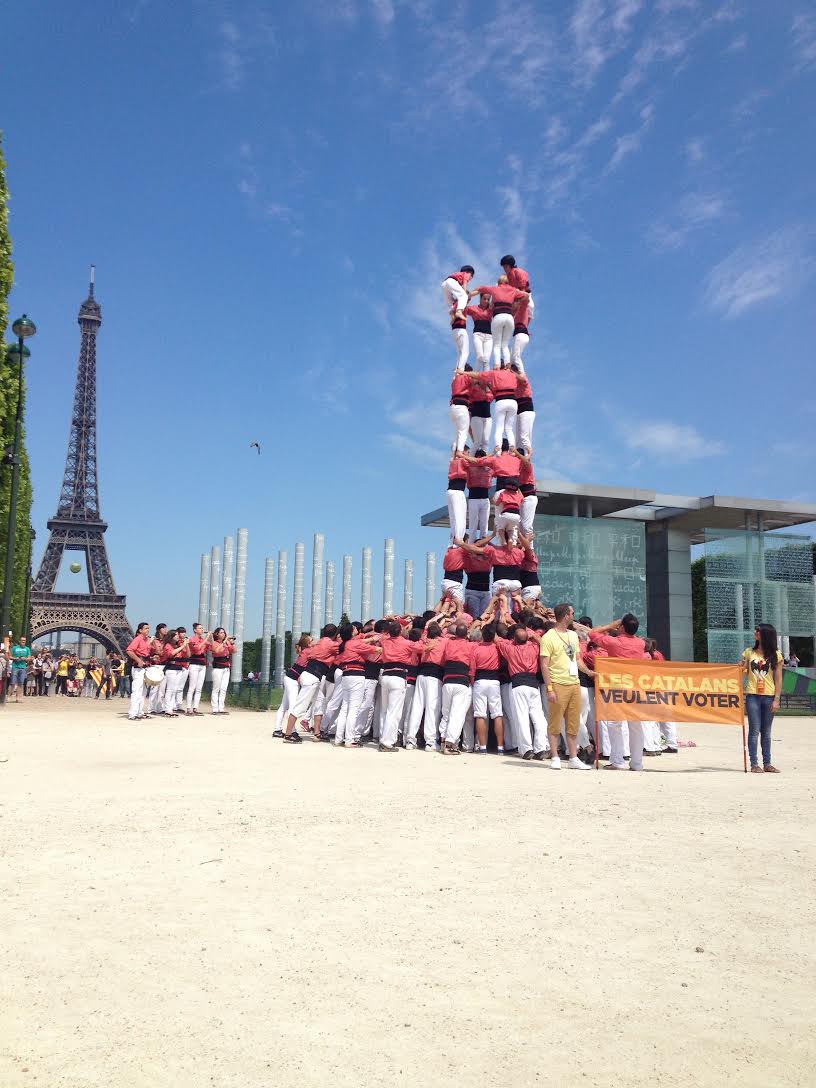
555	764
575	764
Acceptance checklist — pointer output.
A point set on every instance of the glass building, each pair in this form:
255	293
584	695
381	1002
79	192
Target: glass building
614	550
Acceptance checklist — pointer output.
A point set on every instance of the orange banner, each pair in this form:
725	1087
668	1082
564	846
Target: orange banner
667	691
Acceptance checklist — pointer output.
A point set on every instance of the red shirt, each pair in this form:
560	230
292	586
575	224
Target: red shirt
459	650
621	645
481	474
460	277
222	649
198	646
519	279
356	649
506	464
657	656
530	561
501	381
520	657
521	310
510	499
588	656
433	651
479	393
524	389
169	651
485	656
325	650
140	646
525	473
454	559
478	313
457	469
460	386
399	651
477	564
507	556
503	295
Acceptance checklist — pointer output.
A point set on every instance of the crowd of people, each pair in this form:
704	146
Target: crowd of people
31	671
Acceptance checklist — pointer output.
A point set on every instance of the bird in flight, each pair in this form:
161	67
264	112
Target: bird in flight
255	446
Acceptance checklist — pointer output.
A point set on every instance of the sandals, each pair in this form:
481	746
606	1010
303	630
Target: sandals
450	749
292	738
770	769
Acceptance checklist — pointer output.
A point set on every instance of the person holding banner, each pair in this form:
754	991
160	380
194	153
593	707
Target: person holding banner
623	643
763	665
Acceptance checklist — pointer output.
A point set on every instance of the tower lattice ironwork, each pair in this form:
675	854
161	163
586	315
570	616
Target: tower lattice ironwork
77	525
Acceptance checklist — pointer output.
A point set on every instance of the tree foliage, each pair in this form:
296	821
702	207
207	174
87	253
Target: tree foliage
8	410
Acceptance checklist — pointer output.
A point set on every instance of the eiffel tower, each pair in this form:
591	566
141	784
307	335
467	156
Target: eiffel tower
77	525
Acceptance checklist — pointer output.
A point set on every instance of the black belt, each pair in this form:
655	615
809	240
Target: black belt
505	396
527	489
487	674
431	670
478	580
459	400
520	328
456	485
318	669
507	574
504	481
525	404
219	663
454	575
372	672
529	578
501	308
478	492
198	661
481	326
456	672
395	670
511	509
174	668
480	409
459	325
524	680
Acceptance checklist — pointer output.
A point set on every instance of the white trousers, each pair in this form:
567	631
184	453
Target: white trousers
616	745
455	705
520	342
508	522
290	688
138	695
528	509
333	704
392	695
510	731
524	430
529	713
505	420
460	339
469	732
194	686
352	689
410	689
454	294
531	593
478	516
366	708
175	683
481	428
427	702
457	514
156	696
482	347
588	713
651	737
220	681
476	601
669	731
487	700
460	418
308	690
453	589
501	328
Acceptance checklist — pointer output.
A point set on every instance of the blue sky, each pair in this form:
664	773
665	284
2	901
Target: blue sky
272	195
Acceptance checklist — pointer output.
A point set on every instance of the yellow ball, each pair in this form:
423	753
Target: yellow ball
76	568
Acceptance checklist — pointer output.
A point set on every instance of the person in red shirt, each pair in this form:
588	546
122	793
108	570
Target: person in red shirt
457	673
454	289
356	650
668	729
459	335
477	571
479	476
486	688
457	506
459	407
198	645
519	279
397	654
527	487
623	643
502	323
318	658
525	416
508	509
427	701
530	585
481	316
480	397
521	655
506	466
155	696
506	562
503	384
290	682
453	566
221	651
138	650
175	658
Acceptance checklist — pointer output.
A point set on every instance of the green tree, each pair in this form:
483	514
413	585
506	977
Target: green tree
8	409
252	656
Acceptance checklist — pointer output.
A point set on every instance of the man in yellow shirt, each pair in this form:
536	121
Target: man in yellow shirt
559	667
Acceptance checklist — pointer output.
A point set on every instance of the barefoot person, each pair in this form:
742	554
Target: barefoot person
762	664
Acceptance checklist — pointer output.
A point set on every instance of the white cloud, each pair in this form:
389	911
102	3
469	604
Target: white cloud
598	35
425	418
803	30
668	441
695	150
630	142
773	267
693	212
383	11
737	44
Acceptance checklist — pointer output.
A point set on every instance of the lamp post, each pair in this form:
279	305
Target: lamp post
22	328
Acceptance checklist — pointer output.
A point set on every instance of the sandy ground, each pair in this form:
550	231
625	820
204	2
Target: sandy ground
191	903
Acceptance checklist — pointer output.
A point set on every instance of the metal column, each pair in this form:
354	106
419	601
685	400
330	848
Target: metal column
280	631
365	587
317	584
297	593
346	610
203	616
268	617
388	577
227	584
328	609
430	579
240	601
408	587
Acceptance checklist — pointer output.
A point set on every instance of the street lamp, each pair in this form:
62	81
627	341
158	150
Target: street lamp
22	328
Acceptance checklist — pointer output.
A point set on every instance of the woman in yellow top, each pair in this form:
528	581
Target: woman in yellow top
763	664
